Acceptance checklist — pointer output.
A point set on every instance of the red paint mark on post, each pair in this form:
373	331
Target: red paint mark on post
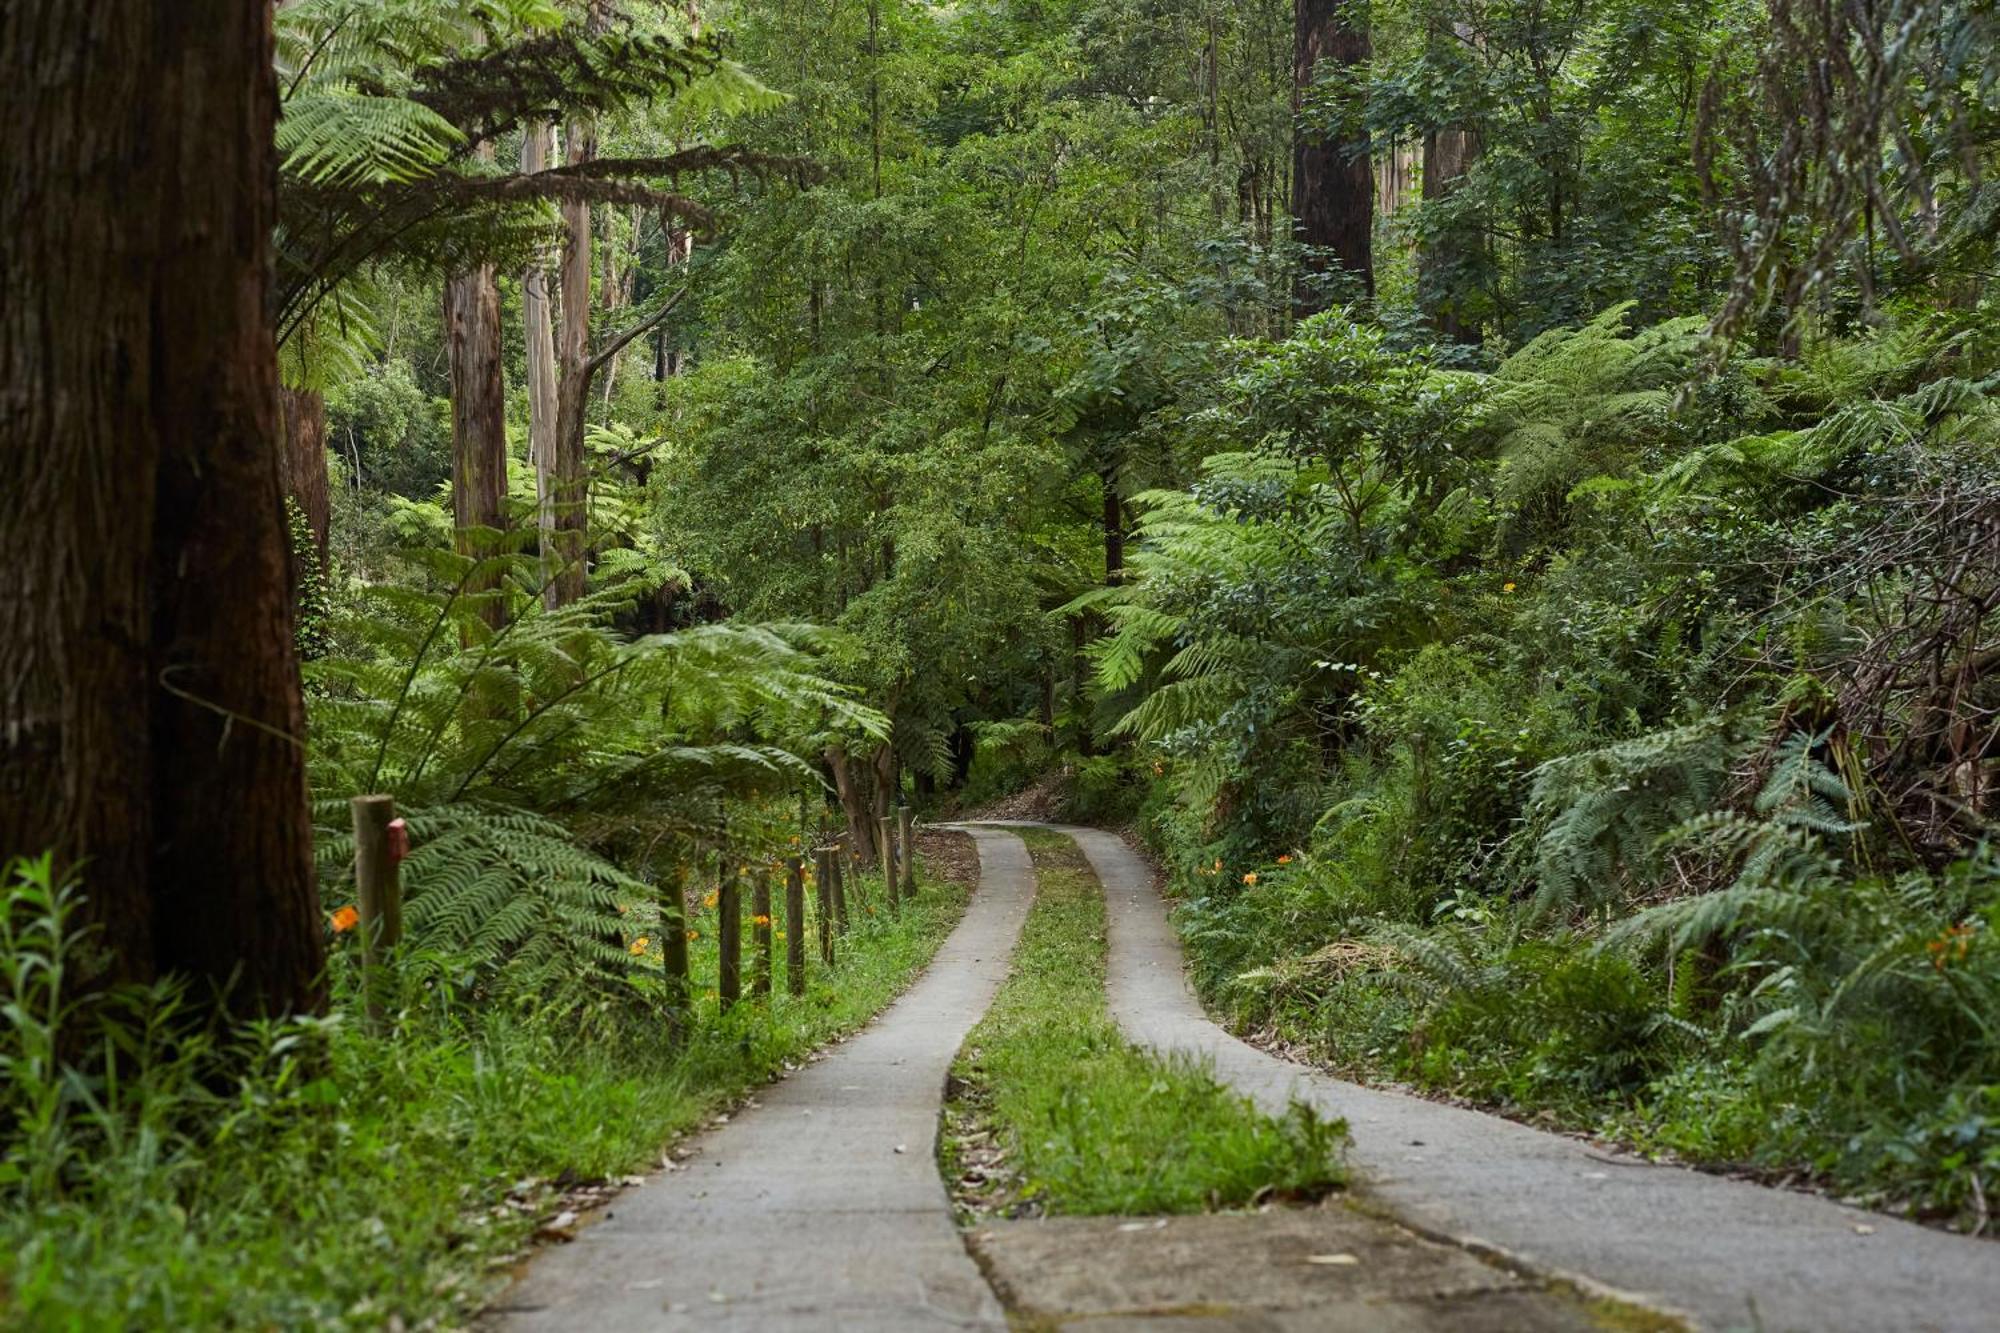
399	841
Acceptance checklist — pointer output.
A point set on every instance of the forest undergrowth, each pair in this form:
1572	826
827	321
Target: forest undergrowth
1600	738
309	1173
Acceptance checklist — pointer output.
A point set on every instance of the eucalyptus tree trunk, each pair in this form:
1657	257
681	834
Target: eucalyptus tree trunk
478	421
537	146
1333	183
570	482
305	464
151	726
1449	153
853	801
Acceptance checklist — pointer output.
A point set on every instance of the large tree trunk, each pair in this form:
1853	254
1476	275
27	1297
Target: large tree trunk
151	727
1333	184
478	422
537	144
571	483
305	463
1449	154
853	802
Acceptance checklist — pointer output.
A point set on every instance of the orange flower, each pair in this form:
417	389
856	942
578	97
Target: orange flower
639	946
346	919
1284	860
693	935
1951	945
708	899
1250	878
760	920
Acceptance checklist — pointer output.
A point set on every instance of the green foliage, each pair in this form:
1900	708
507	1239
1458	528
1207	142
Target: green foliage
488	736
1594	771
1088	1123
302	1174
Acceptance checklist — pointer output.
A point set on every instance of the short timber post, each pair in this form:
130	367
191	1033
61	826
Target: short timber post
795	925
729	929
824	872
839	891
907	845
760	933
380	842
674	944
886	838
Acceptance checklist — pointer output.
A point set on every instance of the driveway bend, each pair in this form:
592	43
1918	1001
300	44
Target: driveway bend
821	1207
1725	1254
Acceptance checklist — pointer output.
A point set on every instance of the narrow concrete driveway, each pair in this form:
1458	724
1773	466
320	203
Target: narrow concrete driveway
1728	1254
821	1208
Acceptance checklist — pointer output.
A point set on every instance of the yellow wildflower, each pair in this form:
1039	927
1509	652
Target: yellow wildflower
639	946
1250	878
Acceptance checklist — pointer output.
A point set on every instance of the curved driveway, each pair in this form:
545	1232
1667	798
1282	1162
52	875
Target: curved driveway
821	1208
1730	1254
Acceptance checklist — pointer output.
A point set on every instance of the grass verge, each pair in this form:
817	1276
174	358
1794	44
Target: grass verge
1053	1111
340	1181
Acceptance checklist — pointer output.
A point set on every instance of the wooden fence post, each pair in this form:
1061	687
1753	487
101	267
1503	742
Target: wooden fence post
839	891
729	925
674	943
886	840
795	925
907	843
379	846
823	873
760	932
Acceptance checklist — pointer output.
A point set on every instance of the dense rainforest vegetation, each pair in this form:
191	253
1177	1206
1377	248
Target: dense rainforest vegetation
1501	496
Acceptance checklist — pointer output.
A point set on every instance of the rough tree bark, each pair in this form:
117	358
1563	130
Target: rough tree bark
570	483
853	802
305	463
478	419
1448	155
150	716
537	146
1333	183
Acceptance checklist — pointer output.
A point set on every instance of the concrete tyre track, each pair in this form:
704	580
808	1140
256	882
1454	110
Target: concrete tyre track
821	1208
1724	1254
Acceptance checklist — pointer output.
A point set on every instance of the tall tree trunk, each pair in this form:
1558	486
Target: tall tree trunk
571	483
151	726
1333	183
537	144
305	464
853	802
1448	155
478	422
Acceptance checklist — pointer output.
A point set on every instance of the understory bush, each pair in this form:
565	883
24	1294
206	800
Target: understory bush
1609	737
308	1174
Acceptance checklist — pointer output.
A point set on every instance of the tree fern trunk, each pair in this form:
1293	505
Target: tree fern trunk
151	727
